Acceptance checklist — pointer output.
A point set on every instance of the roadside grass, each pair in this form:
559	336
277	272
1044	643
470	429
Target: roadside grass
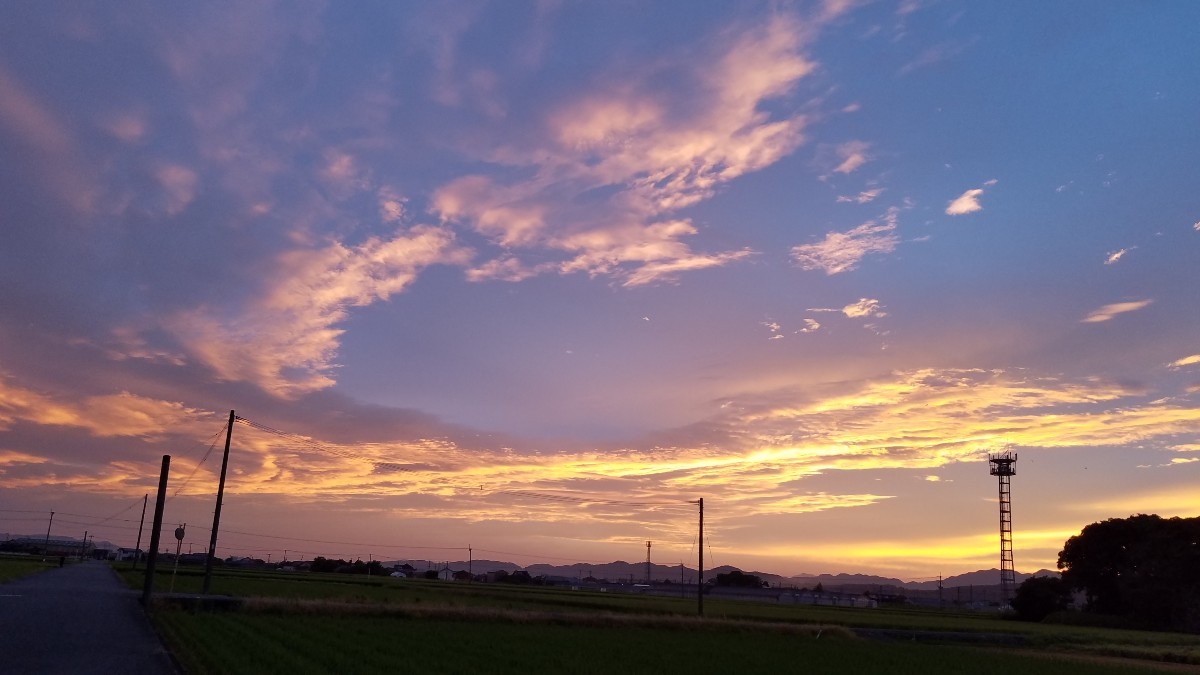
241	642
361	599
15	567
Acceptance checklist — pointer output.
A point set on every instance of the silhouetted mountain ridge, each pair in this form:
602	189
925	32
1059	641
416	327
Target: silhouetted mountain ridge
627	572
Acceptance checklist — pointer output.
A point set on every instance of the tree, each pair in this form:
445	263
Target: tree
739	579
1038	597
1142	567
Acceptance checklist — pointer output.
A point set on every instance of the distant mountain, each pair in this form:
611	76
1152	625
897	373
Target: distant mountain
635	572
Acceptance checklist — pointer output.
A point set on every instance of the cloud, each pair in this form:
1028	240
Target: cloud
853	155
179	183
623	155
286	339
810	326
1109	311
865	307
1185	361
861	198
842	251
1114	256
967	202
46	145
934	55
391	205
1196	226
106	416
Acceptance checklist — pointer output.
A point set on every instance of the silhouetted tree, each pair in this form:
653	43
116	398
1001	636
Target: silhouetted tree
323	564
1038	597
1143	567
739	579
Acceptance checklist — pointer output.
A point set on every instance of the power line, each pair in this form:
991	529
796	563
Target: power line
213	443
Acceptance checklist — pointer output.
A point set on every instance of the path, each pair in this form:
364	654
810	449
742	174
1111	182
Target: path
77	619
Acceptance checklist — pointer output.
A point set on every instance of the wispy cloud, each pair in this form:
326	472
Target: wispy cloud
842	251
1107	312
861	198
933	55
285	341
620	160
853	155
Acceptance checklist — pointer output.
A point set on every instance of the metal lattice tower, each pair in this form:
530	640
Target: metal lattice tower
1002	467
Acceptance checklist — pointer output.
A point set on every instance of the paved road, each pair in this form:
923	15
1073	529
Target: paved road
76	619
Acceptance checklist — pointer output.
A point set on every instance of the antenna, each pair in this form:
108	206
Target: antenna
1001	466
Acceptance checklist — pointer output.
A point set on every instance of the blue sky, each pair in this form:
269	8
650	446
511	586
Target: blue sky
809	261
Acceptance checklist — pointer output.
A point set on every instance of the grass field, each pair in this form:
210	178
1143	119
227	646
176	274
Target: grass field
14	567
297	644
339	623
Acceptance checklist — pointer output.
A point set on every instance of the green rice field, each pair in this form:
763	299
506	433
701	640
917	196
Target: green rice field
14	567
301	623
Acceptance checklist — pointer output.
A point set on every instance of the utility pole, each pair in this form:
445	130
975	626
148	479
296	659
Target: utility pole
46	546
212	543
470	565
159	503
700	571
83	547
137	549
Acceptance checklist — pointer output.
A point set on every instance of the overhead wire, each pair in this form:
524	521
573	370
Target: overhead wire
215	437
309	443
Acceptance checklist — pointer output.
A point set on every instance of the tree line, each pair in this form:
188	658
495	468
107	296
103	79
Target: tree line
1143	570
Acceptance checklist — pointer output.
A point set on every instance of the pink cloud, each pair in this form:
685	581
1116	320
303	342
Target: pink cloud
651	150
286	340
841	251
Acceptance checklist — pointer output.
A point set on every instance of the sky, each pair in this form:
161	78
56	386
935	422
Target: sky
530	278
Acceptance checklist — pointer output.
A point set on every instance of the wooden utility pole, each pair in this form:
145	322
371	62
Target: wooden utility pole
212	543
159	503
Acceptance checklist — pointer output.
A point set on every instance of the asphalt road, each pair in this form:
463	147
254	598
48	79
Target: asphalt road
76	619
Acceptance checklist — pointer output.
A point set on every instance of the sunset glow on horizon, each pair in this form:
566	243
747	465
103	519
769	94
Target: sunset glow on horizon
531	278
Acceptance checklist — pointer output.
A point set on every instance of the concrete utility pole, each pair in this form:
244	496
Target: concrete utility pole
46	546
137	549
700	571
159	503
212	543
